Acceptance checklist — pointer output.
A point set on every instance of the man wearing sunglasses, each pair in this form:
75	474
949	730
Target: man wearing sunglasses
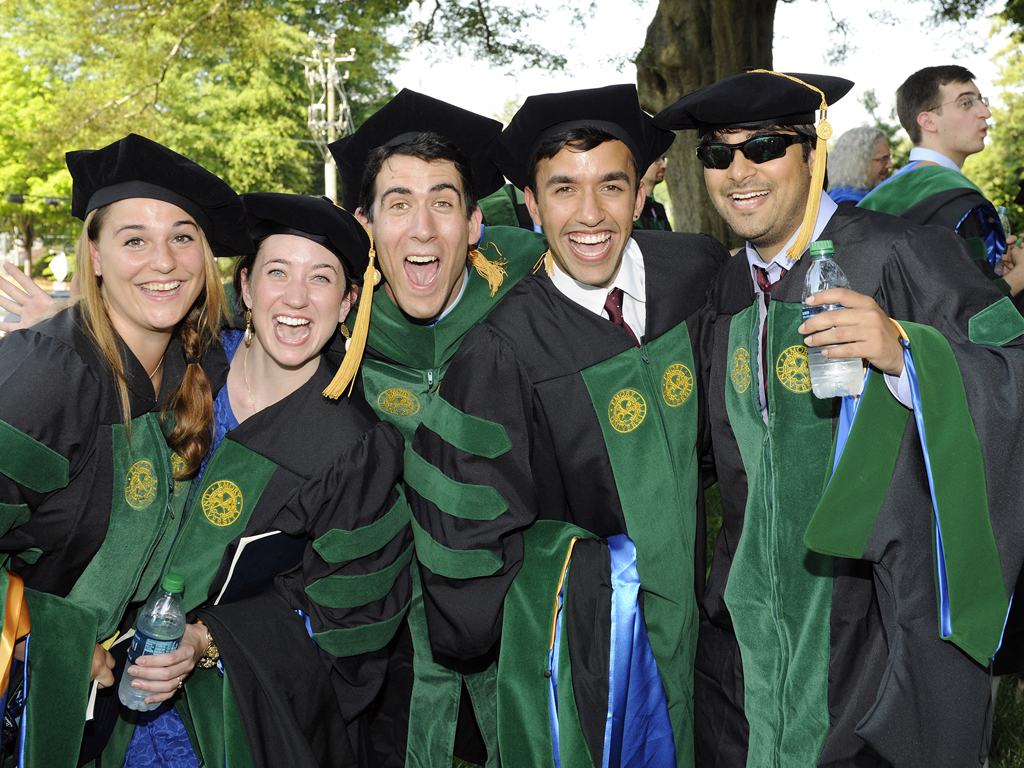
824	639
946	117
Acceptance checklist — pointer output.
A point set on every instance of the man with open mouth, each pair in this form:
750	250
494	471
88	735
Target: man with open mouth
412	174
830	633
581	412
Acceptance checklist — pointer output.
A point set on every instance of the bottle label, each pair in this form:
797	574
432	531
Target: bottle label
809	312
143	645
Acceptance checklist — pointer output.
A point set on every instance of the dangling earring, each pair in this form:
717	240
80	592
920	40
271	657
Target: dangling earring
248	328
348	336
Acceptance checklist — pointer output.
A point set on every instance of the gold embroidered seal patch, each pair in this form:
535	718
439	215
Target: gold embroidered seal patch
398	402
676	385
222	503
740	373
627	410
140	485
793	370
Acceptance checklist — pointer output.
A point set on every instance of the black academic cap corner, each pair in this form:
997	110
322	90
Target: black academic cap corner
753	97
139	167
316	219
613	108
411	113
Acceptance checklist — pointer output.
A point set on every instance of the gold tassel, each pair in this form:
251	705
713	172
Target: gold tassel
491	271
346	375
548	261
824	133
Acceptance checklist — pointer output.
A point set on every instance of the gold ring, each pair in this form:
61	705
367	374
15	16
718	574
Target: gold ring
179	682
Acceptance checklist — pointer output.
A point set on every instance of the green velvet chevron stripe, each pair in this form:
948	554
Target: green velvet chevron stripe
337	545
469	502
452	563
30	463
352	591
853	497
210	714
996	324
470	434
352	641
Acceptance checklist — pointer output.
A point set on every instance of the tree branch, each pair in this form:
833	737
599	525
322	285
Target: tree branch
156	83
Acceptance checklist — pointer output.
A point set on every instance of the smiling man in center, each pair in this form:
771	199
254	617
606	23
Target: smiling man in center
581	409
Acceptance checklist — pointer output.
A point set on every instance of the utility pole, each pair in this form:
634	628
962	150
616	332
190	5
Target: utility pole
329	116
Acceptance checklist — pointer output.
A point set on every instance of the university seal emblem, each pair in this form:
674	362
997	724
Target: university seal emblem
140	485
627	410
178	464
222	503
398	402
793	370
740	373
676	384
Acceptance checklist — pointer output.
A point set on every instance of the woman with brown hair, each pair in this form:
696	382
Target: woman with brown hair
90	493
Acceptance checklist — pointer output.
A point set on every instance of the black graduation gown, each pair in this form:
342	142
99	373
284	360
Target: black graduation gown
551	412
86	513
842	662
324	473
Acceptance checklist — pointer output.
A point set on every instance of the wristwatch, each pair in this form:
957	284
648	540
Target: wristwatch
209	659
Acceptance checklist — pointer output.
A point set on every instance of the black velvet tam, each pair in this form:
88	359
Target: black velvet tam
314	218
614	109
139	167
406	115
751	97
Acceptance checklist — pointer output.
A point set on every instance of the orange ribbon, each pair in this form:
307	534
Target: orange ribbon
16	625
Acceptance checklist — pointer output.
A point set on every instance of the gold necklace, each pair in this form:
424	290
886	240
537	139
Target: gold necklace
245	376
157	368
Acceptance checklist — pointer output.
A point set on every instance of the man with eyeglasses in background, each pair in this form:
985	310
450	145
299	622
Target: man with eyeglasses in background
654	216
946	117
822	639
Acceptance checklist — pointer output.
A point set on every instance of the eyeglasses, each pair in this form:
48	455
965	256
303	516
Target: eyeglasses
718	156
663	160
966	103
882	159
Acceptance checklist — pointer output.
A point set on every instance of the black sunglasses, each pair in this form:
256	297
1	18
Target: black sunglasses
761	149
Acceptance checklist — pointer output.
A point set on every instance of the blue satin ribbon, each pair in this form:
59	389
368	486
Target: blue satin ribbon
553	655
24	711
638	732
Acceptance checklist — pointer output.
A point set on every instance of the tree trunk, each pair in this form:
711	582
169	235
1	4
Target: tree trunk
28	234
690	44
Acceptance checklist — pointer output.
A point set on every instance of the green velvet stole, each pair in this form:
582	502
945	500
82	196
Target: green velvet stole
436	693
911	187
978	599
61	645
779	594
524	725
648	417
139	514
221	506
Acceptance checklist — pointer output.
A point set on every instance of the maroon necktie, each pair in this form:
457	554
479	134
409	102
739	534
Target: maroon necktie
613	305
766	286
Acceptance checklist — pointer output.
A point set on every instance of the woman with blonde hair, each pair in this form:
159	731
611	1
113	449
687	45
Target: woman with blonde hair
90	493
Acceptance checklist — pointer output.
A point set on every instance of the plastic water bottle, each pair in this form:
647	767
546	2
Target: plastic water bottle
830	377
1004	218
159	629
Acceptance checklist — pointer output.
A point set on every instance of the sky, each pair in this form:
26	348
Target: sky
884	54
